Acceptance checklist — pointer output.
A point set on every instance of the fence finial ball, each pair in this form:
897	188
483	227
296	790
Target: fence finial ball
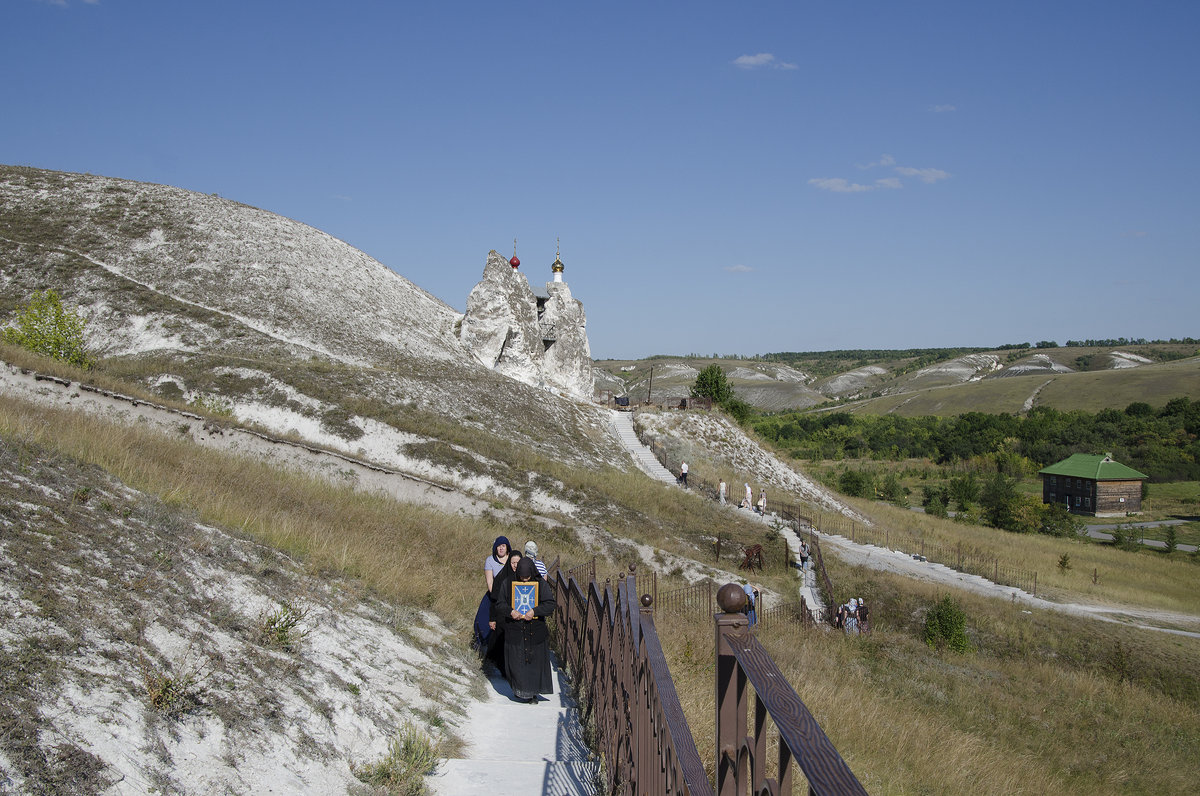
632	568
731	598
647	601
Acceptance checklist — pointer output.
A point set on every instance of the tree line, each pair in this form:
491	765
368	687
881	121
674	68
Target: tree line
1162	443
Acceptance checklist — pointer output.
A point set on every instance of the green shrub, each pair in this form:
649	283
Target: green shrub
411	755
946	626
45	327
936	507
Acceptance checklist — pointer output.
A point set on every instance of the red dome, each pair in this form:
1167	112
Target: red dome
514	262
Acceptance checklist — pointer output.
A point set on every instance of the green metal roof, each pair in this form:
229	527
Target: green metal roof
1094	466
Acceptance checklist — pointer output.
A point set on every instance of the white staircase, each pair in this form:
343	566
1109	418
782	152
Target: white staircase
808	577
518	749
643	457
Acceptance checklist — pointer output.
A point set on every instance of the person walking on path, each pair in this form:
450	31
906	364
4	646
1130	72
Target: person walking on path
494	646
751	603
761	508
492	565
526	650
683	474
722	488
749	501
531	552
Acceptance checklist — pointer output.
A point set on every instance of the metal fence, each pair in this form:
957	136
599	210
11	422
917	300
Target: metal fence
606	636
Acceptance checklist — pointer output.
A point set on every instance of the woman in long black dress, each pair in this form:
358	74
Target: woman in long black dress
494	647
526	638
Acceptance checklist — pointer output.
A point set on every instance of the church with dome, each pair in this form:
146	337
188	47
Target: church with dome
539	339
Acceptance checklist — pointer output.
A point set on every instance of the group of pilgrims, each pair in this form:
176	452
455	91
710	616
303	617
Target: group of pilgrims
515	637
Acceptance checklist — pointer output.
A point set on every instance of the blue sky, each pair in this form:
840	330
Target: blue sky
732	177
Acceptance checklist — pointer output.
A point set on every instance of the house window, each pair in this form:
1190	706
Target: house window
1077	501
1054	480
1051	497
1087	503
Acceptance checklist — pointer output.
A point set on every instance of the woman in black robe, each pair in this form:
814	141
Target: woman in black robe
526	638
494	646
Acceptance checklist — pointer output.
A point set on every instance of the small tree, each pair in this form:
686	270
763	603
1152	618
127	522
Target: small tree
965	490
1056	520
946	625
936	507
857	483
1172	539
45	327
712	383
999	501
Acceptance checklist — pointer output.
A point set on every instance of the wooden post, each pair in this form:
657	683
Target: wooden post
1035	584
996	578
731	706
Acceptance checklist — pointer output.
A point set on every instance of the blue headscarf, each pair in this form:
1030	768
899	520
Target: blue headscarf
500	540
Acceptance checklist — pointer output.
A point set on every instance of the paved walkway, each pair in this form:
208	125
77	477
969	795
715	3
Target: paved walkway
648	463
643	457
1101	532
517	749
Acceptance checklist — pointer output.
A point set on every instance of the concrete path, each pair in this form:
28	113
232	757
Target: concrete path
520	749
1102	532
808	577
643	457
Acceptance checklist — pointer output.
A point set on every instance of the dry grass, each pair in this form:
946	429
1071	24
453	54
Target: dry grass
370	537
1047	704
1140	580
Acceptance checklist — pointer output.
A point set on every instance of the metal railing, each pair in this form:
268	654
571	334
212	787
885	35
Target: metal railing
742	758
607	639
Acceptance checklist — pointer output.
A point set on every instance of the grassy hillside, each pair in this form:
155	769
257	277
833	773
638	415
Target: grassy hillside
933	381
1091	391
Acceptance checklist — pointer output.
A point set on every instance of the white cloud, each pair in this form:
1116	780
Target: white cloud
761	60
924	175
884	160
738	269
943	108
839	185
842	185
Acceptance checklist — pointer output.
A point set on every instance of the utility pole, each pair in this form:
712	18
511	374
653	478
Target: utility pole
650	389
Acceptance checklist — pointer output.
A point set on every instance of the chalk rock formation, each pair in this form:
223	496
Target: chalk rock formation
567	361
539	341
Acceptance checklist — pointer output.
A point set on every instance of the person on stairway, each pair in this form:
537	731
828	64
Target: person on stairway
526	637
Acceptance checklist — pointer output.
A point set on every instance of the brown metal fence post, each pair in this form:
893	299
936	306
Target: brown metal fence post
731	694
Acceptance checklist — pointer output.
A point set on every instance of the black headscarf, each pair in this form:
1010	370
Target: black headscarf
526	569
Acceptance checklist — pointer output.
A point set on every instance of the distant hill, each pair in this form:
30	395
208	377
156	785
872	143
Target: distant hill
931	381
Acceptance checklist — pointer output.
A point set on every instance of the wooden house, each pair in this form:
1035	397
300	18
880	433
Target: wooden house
1092	484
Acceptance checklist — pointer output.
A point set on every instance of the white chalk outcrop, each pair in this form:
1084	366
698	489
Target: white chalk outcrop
539	341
